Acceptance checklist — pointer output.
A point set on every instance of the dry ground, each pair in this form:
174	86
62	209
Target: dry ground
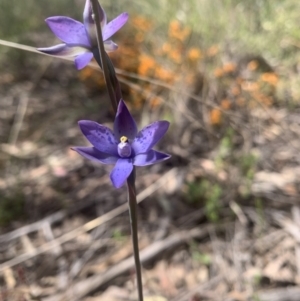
65	232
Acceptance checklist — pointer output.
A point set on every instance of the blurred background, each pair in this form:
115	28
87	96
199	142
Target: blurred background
224	210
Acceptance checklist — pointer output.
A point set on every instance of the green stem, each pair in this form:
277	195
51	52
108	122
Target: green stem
134	231
114	79
103	55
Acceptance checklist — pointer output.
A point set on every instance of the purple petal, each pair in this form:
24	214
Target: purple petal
89	22
149	136
88	12
121	172
149	158
88	19
63	50
93	154
68	30
101	137
102	14
82	60
113	26
109	46
124	124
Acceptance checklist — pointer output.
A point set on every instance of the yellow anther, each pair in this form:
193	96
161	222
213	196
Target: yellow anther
124	139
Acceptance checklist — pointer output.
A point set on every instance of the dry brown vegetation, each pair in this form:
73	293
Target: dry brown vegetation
219	221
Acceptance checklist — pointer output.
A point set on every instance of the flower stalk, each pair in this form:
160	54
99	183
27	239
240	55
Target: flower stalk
124	146
134	232
115	96
103	57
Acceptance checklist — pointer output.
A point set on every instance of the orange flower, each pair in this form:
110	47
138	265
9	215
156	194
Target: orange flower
147	63
175	55
184	34
194	54
142	23
174	29
215	116
174	26
270	78
164	74
229	67
177	32
252	65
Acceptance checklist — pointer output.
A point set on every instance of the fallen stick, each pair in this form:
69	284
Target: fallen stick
280	294
200	289
86	286
51	219
86	227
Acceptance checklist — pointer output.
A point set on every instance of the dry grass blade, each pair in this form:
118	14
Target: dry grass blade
18	121
121	72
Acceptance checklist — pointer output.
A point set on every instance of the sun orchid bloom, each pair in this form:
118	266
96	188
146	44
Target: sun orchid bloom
124	146
79	39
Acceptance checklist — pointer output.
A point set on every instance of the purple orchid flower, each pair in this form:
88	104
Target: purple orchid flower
124	146
79	39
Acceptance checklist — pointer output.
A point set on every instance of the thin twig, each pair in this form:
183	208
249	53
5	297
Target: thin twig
102	53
